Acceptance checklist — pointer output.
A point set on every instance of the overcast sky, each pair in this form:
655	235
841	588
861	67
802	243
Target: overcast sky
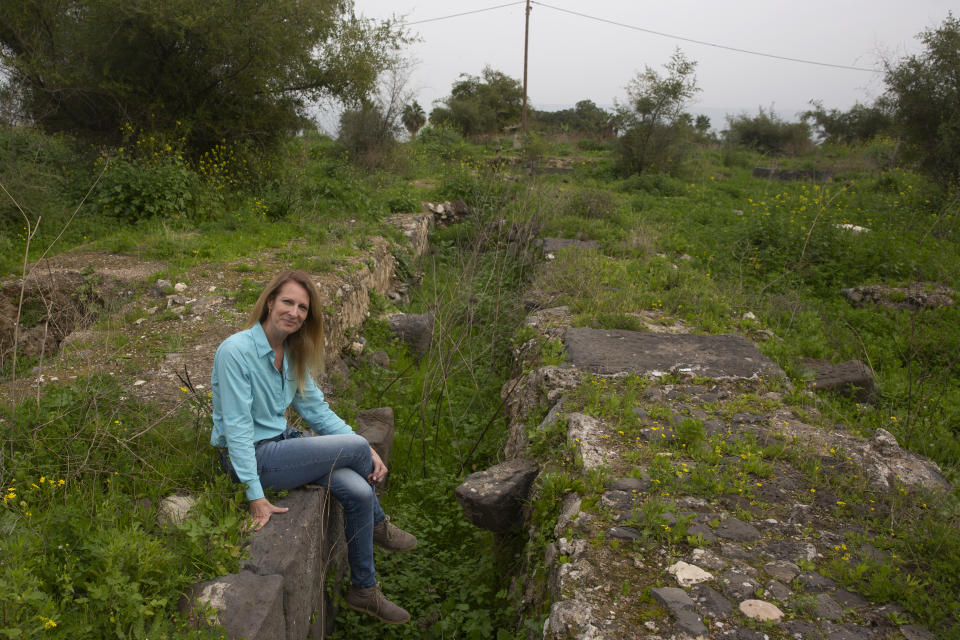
575	57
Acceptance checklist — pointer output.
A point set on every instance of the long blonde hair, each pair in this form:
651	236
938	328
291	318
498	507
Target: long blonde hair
305	345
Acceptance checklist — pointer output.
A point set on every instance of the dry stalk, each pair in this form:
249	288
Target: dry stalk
31	231
25	272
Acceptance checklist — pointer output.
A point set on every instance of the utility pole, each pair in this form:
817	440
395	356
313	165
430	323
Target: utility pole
526	49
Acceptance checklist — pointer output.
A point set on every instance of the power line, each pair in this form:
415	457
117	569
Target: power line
466	13
703	42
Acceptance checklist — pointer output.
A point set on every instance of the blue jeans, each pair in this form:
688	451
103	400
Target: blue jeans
341	463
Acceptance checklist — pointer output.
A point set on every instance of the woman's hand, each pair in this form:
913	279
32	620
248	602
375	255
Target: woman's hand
261	510
379	469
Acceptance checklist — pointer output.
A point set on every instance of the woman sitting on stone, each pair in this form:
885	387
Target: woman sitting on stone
257	374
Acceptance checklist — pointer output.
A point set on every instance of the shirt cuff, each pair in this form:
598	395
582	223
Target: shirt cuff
254	490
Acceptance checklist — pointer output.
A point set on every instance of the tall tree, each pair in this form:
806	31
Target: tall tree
925	92
481	104
223	68
654	125
413	118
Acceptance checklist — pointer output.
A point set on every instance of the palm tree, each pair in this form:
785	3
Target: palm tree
413	118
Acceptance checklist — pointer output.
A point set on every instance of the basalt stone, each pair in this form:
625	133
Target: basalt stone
850	378
710	602
782	570
708	559
790	550
736	552
624	533
738	585
848	599
690	623
290	546
799	514
813	582
703	531
826	608
380	358
493	499
416	329
778	590
673	598
630	484
800	630
713	427
737	530
620	500
246	604
846	632
653	394
682	608
377	426
916	632
608	351
743	634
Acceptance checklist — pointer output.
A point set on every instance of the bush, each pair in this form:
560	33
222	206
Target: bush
767	133
656	131
32	169
366	133
590	204
442	142
402	200
480	104
657	184
925	93
859	124
589	144
130	191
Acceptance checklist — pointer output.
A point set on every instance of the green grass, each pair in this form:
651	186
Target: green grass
703	247
81	493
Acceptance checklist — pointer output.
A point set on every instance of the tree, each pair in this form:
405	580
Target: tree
655	128
480	104
925	92
225	69
586	118
767	132
413	118
372	126
859	124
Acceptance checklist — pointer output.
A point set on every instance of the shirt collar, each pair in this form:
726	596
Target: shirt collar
260	340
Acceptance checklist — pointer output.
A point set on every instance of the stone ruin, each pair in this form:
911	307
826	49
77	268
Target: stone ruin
749	563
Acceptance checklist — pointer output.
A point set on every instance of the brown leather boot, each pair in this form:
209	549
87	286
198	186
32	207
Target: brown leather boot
371	600
392	538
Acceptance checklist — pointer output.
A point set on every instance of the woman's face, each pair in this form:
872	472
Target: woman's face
288	309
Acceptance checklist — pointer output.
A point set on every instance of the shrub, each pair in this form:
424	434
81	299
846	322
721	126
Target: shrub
130	191
926	99
442	142
767	133
591	204
480	104
365	132
656	131
657	184
859	124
